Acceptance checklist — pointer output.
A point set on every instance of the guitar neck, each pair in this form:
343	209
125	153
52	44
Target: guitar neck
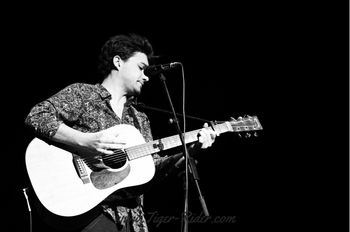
170	142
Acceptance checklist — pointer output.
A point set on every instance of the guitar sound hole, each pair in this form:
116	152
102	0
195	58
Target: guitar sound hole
116	160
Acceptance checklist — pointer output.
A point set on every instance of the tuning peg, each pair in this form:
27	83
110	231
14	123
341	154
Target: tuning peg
239	134
247	135
233	119
255	134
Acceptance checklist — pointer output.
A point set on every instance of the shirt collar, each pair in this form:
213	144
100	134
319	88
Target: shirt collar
103	91
105	94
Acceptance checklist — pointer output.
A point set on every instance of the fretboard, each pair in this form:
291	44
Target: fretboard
166	143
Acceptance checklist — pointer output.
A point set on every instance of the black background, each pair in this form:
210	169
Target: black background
285	63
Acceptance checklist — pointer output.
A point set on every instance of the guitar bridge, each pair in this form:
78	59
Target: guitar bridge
80	168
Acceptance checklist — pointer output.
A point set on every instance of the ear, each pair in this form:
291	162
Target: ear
117	61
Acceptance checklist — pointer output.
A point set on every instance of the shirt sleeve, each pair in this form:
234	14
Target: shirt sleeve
63	107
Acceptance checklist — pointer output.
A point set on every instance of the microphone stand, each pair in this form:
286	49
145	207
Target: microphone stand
189	164
29	209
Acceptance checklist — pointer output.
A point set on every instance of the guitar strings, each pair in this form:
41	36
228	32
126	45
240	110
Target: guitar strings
141	150
118	156
149	148
121	156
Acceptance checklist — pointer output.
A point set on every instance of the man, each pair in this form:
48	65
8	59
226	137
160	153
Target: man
90	119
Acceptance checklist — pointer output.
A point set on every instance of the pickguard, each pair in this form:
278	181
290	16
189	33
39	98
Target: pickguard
105	178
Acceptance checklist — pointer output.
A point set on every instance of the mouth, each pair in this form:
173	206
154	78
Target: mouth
141	83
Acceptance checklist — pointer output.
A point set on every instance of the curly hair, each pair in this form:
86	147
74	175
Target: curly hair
124	46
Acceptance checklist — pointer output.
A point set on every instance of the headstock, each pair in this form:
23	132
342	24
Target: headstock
245	124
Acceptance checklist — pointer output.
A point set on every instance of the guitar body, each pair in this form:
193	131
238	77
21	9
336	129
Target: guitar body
53	222
63	192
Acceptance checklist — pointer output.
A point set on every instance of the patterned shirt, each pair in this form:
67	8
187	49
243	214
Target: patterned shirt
87	108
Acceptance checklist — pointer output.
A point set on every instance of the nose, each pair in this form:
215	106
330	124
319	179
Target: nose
145	78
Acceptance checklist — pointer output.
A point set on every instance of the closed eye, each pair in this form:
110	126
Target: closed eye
143	66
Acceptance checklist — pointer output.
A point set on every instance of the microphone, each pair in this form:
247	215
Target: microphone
156	69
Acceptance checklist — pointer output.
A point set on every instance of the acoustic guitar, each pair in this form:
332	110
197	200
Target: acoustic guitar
69	185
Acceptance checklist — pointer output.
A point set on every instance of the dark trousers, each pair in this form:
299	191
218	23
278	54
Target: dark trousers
102	223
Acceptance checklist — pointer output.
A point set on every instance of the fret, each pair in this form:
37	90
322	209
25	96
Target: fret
221	128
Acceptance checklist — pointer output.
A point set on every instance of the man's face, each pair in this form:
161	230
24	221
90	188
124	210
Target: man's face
131	72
